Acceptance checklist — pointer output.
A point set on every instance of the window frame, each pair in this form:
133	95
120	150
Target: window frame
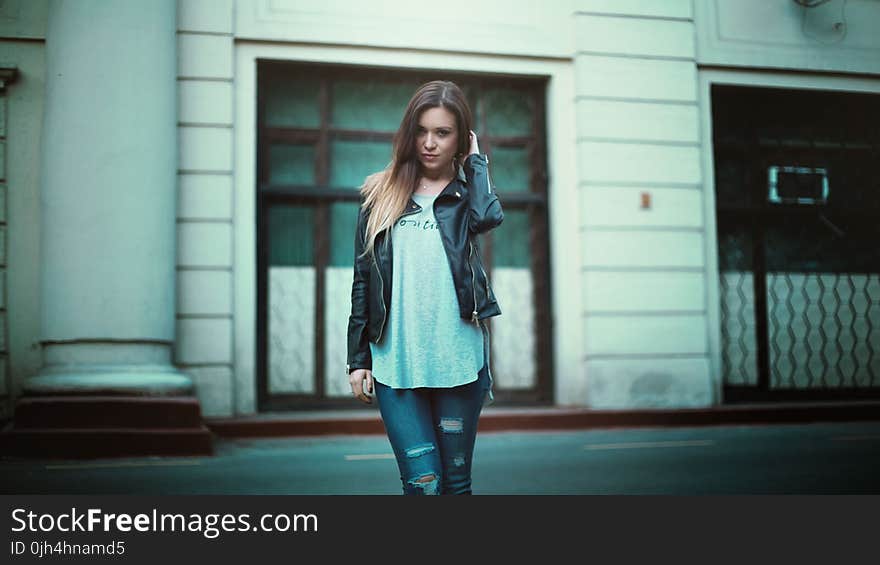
321	196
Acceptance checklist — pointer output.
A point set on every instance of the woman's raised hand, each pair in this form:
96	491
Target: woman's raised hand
362	387
474	145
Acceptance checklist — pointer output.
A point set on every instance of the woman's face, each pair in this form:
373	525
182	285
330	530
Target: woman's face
436	140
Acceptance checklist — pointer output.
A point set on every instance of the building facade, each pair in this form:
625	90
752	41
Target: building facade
689	192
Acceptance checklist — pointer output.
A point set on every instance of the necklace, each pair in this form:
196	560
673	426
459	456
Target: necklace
427	188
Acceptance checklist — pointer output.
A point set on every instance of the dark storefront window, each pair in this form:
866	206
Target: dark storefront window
798	202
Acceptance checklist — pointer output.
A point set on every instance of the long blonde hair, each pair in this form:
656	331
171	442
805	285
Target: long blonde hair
387	192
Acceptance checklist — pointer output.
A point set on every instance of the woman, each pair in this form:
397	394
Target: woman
416	336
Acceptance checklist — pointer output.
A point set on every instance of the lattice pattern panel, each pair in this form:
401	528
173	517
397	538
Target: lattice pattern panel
739	349
291	330
824	330
336	313
514	363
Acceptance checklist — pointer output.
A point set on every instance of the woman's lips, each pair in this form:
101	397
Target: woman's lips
429	156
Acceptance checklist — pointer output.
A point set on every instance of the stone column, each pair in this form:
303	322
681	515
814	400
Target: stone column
108	202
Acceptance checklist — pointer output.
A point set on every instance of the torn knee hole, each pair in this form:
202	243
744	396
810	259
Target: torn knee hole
428	483
452	425
419	450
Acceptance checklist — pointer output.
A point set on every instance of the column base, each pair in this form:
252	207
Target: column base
108	379
90	410
106	426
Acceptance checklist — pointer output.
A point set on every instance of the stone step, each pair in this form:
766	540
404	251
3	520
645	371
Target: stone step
85	443
107	412
49	426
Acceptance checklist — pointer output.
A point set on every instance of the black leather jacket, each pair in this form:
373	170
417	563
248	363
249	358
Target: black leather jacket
466	207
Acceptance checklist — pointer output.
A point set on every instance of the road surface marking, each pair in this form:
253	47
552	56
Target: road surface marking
117	464
369	456
646	444
857	438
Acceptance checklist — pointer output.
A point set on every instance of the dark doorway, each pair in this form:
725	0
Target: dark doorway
798	206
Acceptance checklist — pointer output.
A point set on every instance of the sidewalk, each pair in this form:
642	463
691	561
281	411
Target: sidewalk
368	421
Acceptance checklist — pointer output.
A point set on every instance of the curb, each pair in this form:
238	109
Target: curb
368	422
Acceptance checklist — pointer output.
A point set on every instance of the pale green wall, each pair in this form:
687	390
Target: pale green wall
23	19
675	40
840	35
22	32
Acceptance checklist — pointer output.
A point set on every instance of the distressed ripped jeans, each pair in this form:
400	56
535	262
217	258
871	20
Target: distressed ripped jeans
432	432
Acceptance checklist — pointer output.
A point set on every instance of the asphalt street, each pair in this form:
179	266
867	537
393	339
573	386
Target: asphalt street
820	458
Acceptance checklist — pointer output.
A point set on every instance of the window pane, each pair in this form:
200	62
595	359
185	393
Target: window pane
370	105
470	94
510	240
509	112
343	220
352	161
291	101
514	339
292	164
291	236
734	245
510	169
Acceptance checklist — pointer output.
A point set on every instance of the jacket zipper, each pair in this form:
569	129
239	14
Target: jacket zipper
485	280
474	317
485	277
